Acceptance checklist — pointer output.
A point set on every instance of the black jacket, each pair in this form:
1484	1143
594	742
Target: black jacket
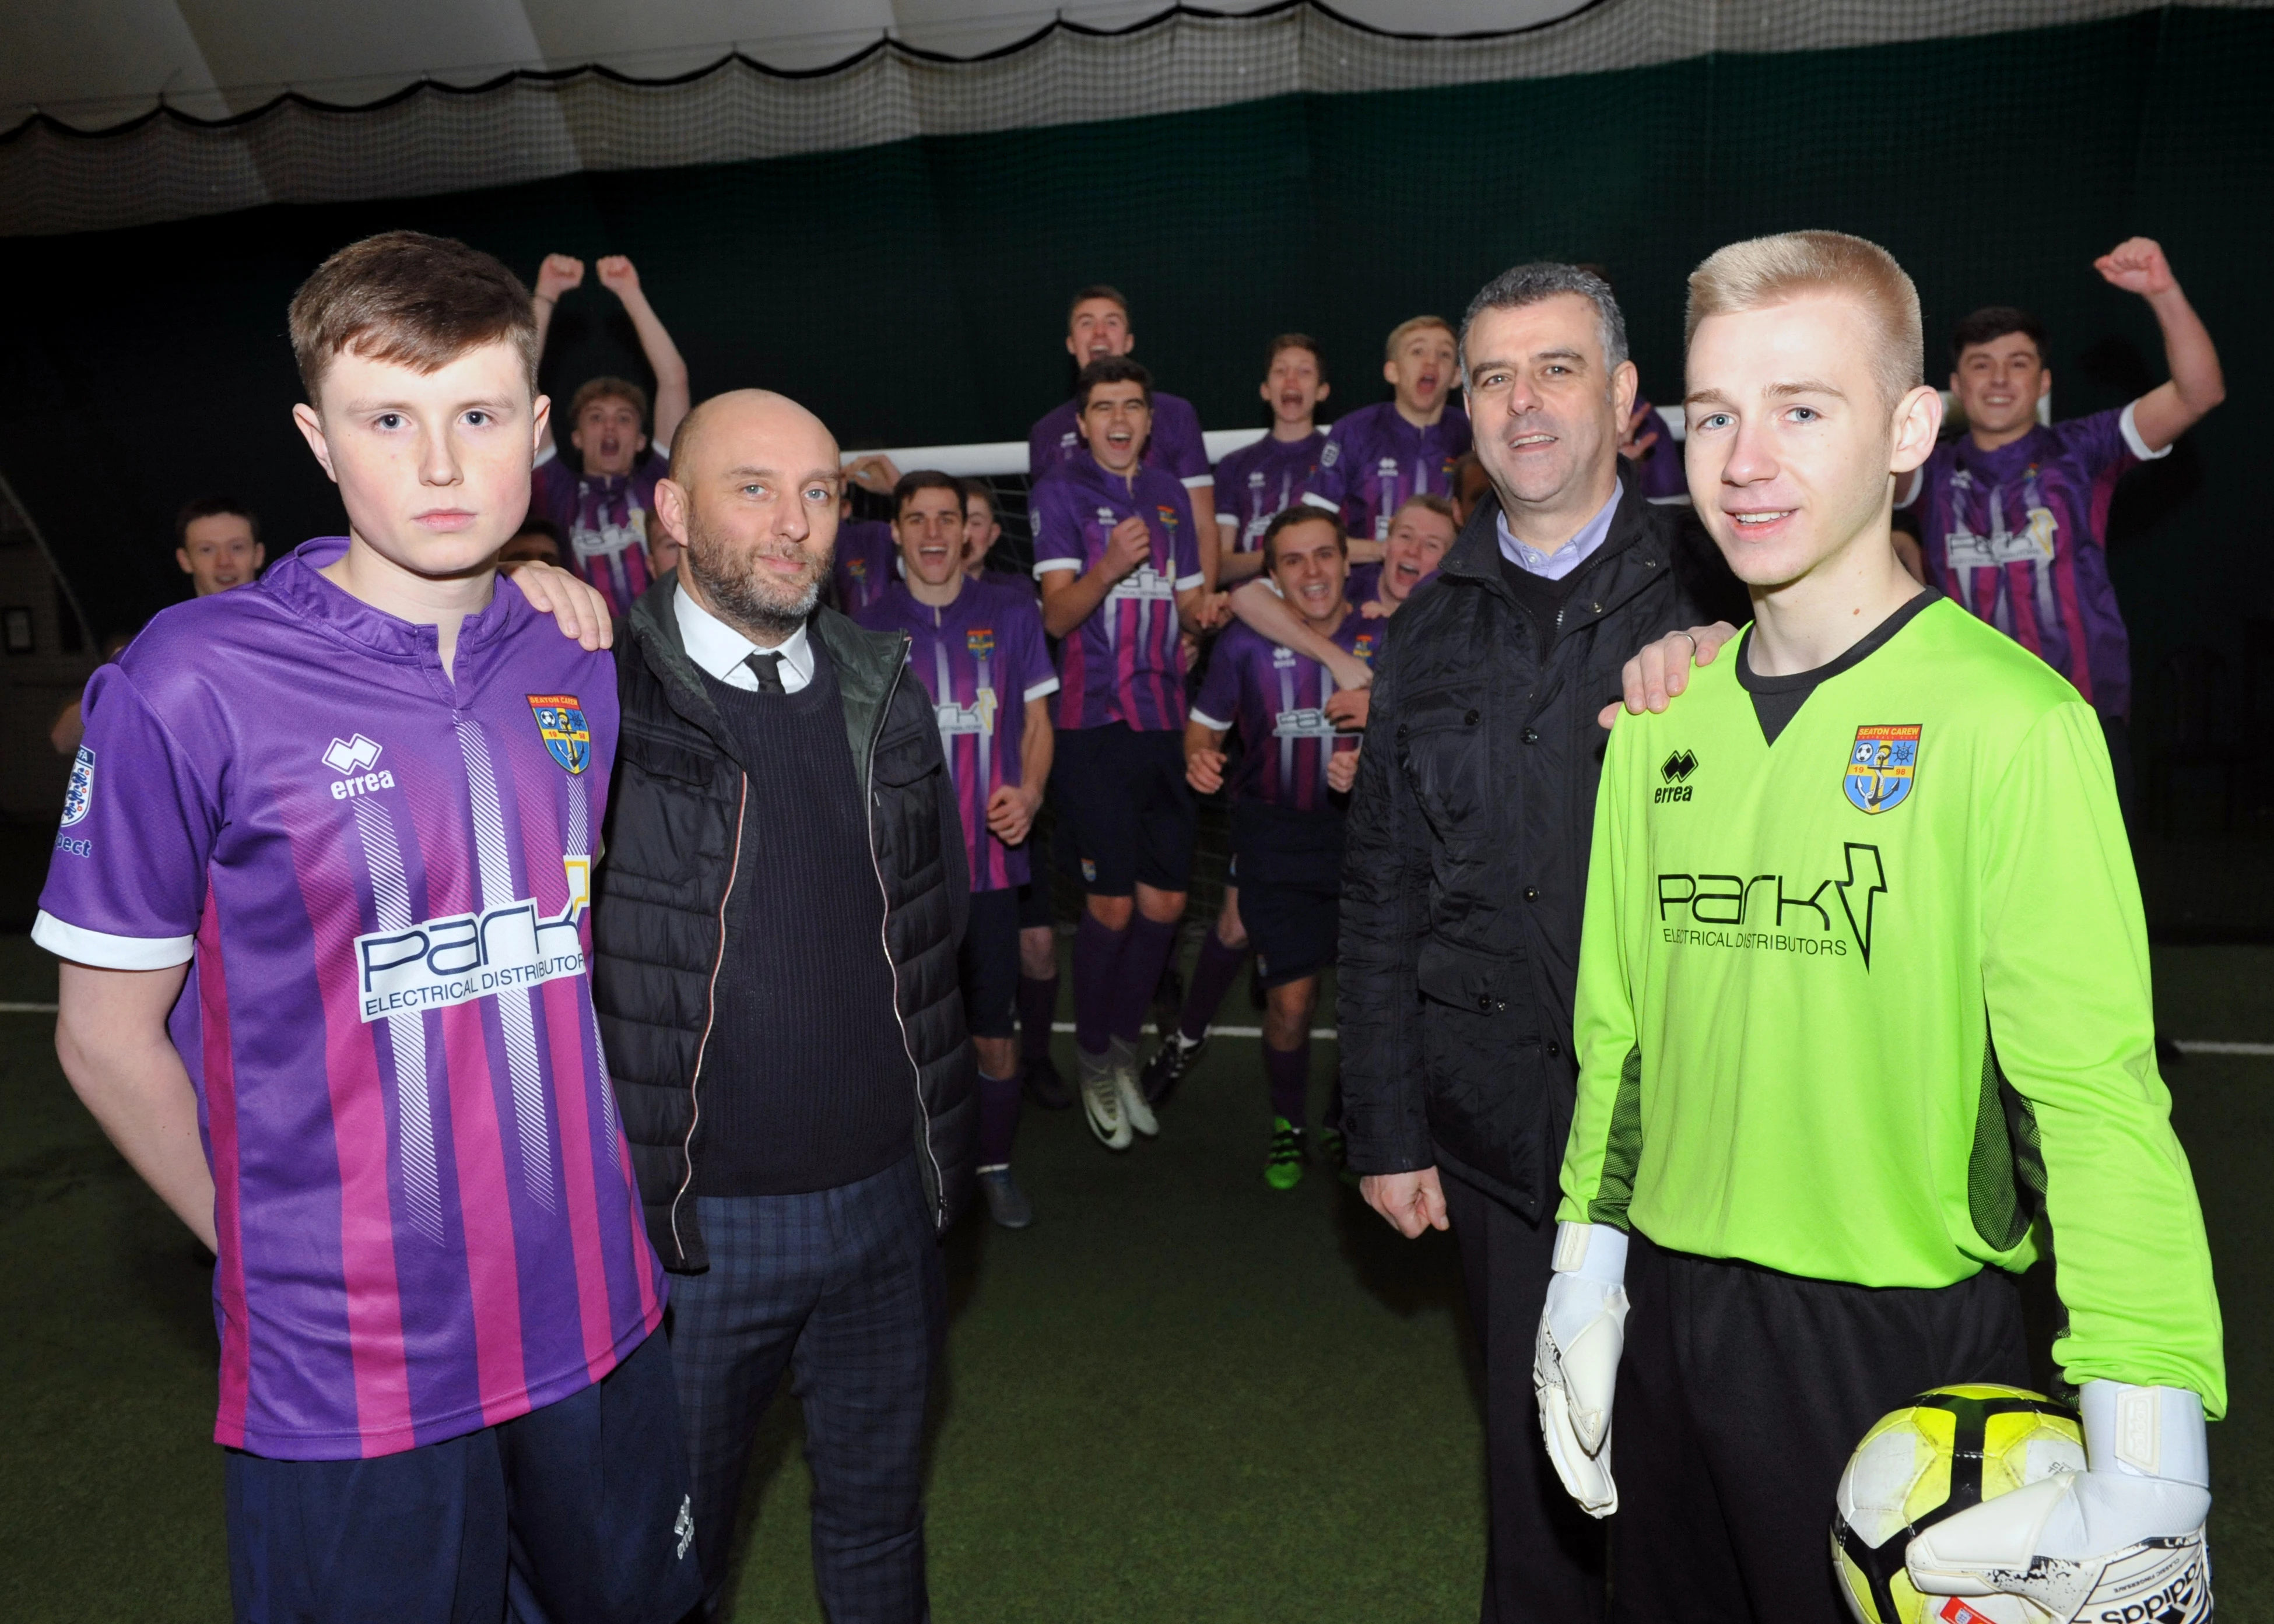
661	902
1465	870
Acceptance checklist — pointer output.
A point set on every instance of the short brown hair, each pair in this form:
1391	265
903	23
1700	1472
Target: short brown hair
1111	369
1096	290
1296	341
1413	324
1301	512
926	479
409	299
608	390
1771	270
1430	502
211	508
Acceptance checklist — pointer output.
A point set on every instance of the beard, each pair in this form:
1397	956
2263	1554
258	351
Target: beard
747	599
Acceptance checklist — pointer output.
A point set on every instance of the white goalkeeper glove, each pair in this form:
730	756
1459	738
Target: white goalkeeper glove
1575	1365
2123	1539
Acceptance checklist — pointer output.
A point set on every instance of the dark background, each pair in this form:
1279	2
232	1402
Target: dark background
915	293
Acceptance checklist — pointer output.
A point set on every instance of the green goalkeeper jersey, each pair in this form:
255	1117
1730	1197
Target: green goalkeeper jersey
1864	991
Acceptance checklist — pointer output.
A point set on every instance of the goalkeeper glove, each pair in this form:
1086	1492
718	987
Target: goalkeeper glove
1575	1365
2122	1539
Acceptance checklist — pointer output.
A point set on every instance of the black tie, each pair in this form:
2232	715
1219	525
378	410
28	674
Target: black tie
767	668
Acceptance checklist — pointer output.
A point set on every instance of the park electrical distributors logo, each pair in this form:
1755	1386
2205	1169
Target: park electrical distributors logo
1773	913
439	962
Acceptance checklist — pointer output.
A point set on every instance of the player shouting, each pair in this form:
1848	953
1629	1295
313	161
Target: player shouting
1120	569
320	894
978	650
1862	996
1255	482
1378	456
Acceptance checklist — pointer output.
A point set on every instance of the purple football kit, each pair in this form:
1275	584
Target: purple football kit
2019	536
1275	700
1254	484
604	517
868	562
1373	459
426	1215
981	659
1123	663
1176	448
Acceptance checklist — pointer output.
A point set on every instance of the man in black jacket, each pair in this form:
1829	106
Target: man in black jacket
1466	863
775	925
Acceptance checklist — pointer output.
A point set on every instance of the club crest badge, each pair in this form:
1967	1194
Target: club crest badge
1881	768
561	722
79	794
1362	648
979	642
1168	516
857	568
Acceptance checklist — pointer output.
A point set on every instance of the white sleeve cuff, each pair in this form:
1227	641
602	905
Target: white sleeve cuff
1192	482
1206	720
1052	566
2133	443
551	449
1909	493
1317	500
1186	584
1047	686
2145	1431
106	952
1593	1252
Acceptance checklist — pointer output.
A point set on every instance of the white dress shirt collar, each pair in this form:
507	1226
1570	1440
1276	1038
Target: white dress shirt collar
718	650
1557	565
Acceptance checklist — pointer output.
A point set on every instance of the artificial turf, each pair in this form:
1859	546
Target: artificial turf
1179	1396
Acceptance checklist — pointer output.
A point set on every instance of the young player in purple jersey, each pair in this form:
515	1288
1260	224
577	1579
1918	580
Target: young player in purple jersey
979	651
1120	569
320	891
604	507
1421	532
1038	945
1097	329
1253	482
868	558
1378	456
2012	516
1286	824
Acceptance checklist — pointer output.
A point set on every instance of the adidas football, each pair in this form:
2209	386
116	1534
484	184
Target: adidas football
1947	1450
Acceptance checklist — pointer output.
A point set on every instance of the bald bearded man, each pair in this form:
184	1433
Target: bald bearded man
774	935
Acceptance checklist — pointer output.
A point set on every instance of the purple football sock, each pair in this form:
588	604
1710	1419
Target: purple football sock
998	1118
1289	1072
1098	950
1212	977
1150	943
1038	1004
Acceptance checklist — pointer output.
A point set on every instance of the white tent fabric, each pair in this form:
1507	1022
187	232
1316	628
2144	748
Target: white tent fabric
609	110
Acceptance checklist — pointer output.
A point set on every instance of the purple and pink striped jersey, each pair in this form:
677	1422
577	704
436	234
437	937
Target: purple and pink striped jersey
1255	483
1373	460
1276	698
981	659
1124	664
605	518
428	1217
868	562
1055	442
2020	537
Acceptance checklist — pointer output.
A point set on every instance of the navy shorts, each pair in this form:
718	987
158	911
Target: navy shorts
1289	866
990	964
1034	897
1125	814
574	1514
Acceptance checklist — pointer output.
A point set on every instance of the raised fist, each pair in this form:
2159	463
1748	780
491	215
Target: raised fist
617	276
558	274
2137	266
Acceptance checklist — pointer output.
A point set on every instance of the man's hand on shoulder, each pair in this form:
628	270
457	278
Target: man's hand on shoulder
1661	671
575	605
1409	1202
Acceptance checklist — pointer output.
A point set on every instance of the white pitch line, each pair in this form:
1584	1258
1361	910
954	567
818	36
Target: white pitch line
1326	1033
2197	1046
27	1009
2186	1046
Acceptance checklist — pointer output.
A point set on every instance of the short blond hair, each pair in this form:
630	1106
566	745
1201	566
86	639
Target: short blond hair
1404	329
1771	270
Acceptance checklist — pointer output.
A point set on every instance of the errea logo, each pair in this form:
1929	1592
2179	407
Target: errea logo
1675	771
356	757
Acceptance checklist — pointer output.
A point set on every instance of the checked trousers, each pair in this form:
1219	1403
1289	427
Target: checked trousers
844	1290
